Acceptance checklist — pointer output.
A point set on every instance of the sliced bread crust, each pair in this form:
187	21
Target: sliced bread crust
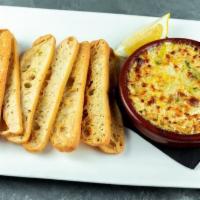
34	66
6	41
12	112
67	128
117	141
96	122
52	94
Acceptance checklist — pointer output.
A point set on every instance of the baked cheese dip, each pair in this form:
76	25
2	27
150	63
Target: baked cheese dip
164	86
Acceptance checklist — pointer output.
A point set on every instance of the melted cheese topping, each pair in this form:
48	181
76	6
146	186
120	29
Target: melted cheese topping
164	87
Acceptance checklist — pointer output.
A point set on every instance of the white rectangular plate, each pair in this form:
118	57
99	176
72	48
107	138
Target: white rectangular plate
141	163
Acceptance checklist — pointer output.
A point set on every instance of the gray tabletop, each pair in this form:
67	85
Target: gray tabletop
28	189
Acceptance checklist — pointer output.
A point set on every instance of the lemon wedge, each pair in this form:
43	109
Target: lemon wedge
155	31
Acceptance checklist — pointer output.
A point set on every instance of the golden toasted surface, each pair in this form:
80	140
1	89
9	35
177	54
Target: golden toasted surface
96	122
164	87
34	66
117	139
52	94
67	127
6	41
12	112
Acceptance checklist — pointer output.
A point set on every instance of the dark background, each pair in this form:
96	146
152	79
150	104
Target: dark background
36	189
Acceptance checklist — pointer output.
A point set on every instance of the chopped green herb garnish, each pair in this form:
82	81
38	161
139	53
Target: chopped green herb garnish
157	62
187	64
195	88
177	100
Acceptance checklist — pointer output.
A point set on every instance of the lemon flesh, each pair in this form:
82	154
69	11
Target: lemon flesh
155	31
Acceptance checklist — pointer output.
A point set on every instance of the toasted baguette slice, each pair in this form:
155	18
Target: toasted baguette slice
6	41
67	128
117	140
34	66
96	122
12	113
52	95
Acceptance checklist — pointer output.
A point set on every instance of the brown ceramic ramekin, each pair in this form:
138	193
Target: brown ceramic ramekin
145	127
